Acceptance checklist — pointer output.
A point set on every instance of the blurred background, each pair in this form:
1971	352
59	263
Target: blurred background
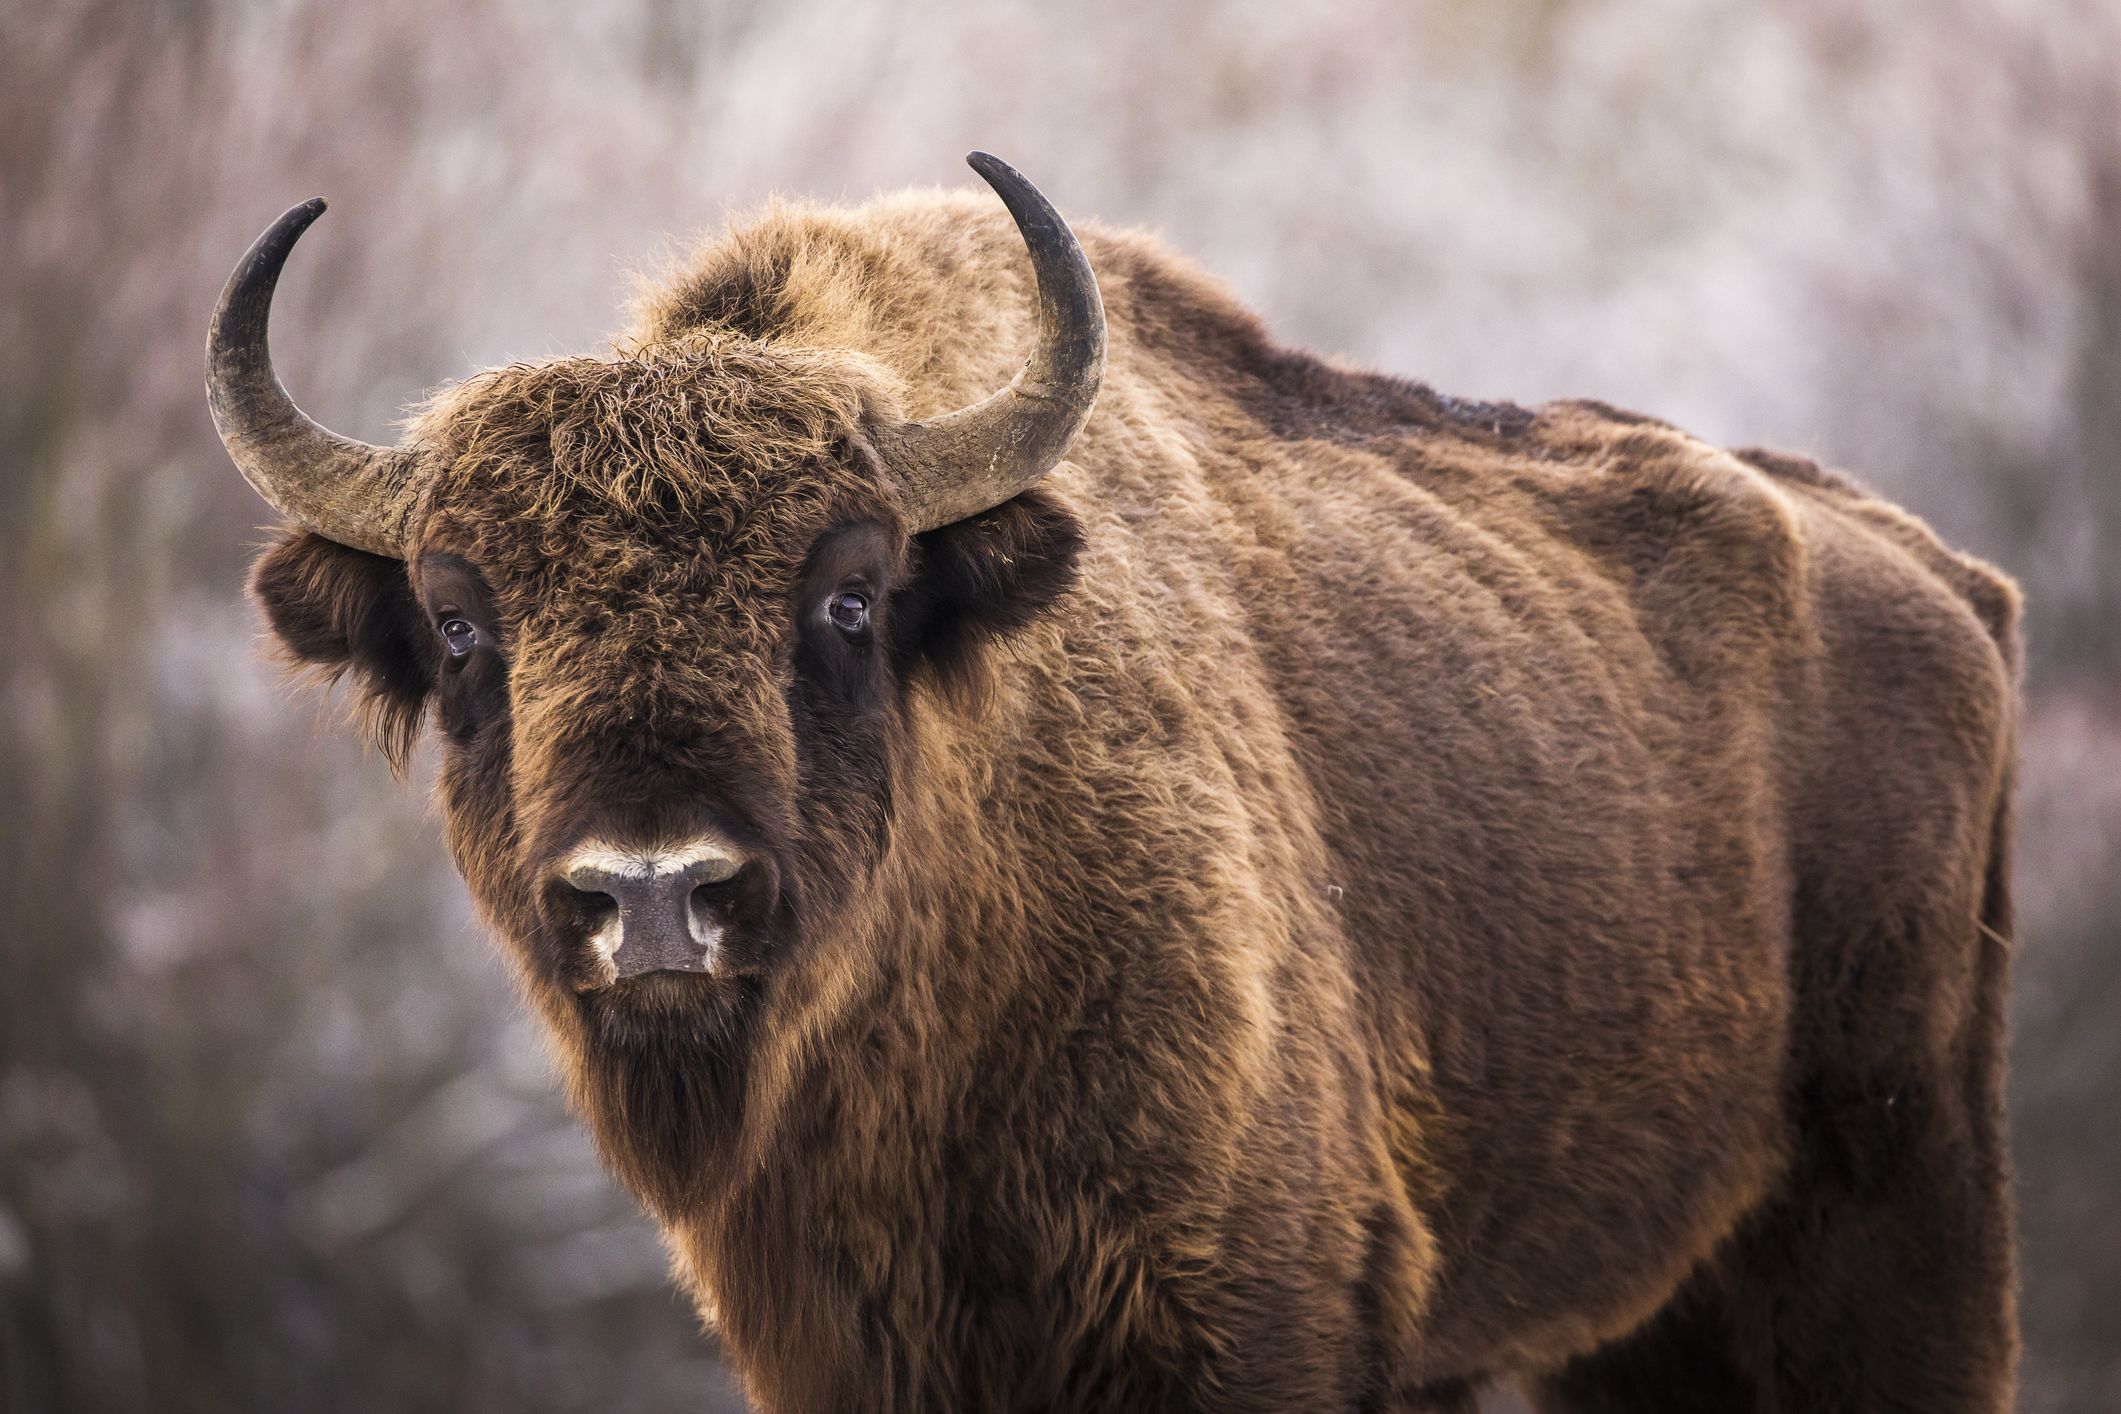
273	1133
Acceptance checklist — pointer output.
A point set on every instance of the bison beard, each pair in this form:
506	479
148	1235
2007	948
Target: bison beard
1326	897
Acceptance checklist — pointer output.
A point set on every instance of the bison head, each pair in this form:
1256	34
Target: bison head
667	612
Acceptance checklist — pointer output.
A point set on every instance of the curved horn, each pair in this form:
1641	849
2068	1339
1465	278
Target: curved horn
357	494
974	459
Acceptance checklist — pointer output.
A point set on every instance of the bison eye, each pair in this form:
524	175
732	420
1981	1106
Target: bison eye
849	612
460	636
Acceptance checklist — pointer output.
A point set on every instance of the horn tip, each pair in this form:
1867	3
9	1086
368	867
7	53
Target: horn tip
298	218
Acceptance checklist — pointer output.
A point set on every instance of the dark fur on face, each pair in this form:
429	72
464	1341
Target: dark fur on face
1341	894
343	611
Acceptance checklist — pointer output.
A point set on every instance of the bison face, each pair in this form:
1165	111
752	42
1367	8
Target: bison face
671	670
676	616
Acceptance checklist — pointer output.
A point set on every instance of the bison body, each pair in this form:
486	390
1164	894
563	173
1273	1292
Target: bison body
1336	896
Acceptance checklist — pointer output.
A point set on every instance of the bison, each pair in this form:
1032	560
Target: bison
1205	878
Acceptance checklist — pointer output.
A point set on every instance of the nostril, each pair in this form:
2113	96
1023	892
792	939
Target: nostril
705	913
579	888
593	903
714	870
714	892
589	913
584	878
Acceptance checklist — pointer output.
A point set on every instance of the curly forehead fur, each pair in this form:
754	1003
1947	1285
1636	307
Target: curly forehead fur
707	424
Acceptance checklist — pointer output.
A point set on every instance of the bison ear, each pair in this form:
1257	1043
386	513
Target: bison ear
336	610
986	576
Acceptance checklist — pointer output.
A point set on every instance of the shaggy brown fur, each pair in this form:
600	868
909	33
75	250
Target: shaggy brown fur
1341	895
